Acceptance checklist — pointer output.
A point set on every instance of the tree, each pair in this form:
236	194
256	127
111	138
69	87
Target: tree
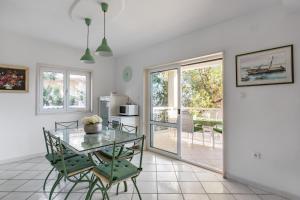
202	88
160	89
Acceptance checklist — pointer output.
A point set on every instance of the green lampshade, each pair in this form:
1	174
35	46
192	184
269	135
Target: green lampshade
87	57
104	49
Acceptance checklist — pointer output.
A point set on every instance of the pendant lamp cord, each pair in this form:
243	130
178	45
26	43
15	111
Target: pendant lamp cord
104	24
88	35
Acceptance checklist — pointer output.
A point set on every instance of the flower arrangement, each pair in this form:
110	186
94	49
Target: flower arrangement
11	79
95	119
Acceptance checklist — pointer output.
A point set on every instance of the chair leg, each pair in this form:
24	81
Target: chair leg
192	138
105	194
118	188
95	191
89	193
44	186
125	186
134	183
81	177
55	184
213	138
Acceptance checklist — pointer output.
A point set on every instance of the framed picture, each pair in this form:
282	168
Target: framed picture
13	78
266	67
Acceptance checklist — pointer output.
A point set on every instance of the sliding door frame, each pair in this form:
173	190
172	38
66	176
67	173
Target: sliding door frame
176	125
147	105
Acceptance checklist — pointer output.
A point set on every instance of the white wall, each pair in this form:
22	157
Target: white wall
20	128
266	120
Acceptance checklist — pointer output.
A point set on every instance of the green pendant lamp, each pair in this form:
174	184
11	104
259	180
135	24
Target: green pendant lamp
87	57
104	49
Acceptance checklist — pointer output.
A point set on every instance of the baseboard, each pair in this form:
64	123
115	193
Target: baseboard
20	158
262	187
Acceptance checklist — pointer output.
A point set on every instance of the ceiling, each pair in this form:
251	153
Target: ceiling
131	25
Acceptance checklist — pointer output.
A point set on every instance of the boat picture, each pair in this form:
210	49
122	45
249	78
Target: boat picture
268	69
265	67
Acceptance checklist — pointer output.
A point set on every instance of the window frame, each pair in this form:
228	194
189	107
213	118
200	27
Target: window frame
88	90
67	71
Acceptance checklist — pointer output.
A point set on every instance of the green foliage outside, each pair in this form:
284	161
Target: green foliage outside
202	88
75	100
52	93
52	96
160	89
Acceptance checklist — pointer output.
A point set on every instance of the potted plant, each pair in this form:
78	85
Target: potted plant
92	124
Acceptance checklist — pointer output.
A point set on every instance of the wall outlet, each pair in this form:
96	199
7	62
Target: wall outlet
257	155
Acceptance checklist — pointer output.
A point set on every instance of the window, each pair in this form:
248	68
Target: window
63	90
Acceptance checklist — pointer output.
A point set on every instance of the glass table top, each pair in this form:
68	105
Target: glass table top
81	142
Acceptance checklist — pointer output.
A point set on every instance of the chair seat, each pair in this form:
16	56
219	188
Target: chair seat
67	154
108	152
75	165
122	169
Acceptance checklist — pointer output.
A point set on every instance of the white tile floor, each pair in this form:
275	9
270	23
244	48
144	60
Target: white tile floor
198	152
162	179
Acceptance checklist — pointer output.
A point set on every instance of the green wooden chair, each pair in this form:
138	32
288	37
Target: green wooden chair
74	169
53	158
118	170
66	125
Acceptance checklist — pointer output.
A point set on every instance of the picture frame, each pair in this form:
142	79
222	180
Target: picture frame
265	67
14	78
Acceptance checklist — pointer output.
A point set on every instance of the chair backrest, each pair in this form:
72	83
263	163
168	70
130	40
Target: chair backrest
66	125
129	129
187	122
56	150
207	129
114	125
139	144
47	141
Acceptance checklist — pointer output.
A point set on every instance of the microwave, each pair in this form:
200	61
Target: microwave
129	110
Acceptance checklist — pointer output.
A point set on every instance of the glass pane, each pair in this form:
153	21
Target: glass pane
164	138
53	90
82	142
77	91
164	99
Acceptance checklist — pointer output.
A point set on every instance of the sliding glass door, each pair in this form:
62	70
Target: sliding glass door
165	110
186	112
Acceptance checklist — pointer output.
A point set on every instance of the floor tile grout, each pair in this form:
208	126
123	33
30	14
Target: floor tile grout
178	168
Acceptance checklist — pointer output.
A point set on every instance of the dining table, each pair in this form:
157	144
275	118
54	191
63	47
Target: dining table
81	142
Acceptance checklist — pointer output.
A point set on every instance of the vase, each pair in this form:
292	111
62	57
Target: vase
92	128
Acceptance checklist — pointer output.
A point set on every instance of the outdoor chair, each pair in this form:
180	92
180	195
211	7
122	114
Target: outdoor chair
115	171
209	130
188	124
66	125
74	169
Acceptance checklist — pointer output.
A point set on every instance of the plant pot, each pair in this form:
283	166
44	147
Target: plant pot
92	128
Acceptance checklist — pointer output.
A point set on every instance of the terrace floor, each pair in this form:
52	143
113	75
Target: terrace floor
198	152
162	179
